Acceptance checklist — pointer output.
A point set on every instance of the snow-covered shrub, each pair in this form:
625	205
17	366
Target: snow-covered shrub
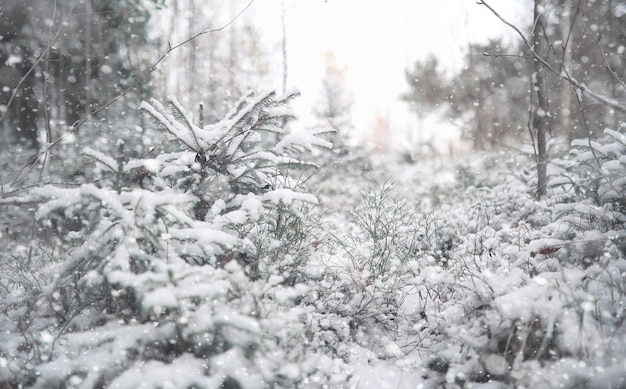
514	304
120	238
384	235
501	305
370	275
590	196
180	270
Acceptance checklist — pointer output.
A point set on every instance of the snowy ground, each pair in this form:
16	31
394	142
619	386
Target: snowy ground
514	302
376	273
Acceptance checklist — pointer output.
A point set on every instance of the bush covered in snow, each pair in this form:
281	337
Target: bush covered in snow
213	265
495	289
180	270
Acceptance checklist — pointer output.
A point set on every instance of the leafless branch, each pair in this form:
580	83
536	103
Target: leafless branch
30	164
32	68
604	56
575	83
491	55
206	30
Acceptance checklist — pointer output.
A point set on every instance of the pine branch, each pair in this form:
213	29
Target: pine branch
159	112
243	102
102	158
249	116
188	120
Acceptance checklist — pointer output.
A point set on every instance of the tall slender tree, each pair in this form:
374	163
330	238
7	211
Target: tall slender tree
590	63
565	96
427	88
541	110
334	104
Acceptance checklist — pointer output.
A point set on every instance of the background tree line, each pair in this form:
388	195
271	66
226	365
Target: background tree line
584	40
63	61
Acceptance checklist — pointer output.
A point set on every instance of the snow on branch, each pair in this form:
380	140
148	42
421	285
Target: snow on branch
304	138
101	157
159	112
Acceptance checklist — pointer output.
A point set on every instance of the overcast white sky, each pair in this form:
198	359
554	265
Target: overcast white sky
375	41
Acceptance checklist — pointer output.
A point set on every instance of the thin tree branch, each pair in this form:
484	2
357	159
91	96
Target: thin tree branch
578	85
206	30
46	103
569	32
32	68
30	164
604	56
154	66
490	55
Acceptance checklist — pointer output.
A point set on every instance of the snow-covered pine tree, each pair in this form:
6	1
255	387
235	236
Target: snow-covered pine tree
176	271
246	177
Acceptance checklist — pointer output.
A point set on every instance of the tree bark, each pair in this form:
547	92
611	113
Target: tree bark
541	110
566	88
283	22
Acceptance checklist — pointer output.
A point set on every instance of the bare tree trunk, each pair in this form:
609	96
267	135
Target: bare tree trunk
284	44
169	36
233	56
88	56
566	88
541	110
192	53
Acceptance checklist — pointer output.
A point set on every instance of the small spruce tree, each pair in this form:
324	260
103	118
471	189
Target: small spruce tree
180	270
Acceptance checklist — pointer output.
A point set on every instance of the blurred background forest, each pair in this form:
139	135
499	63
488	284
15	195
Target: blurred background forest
165	223
64	62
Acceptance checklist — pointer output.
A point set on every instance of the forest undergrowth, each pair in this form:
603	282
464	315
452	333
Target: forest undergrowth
243	254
